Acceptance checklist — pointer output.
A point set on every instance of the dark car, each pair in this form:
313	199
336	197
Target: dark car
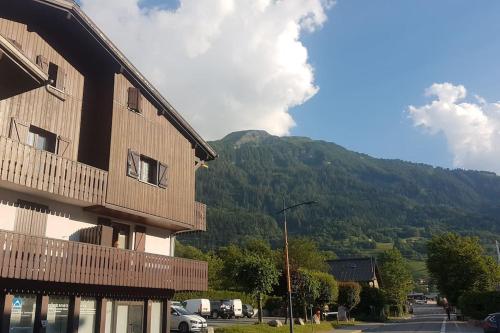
221	309
248	311
490	323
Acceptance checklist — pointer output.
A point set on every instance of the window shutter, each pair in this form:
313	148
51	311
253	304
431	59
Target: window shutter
140	239
61	76
18	130
134	99
133	161
63	147
42	62
162	175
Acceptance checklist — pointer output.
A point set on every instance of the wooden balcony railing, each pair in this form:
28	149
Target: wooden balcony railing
41	170
200	216
44	259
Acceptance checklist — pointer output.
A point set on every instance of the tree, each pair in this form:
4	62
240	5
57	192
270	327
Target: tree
304	253
396	277
328	289
258	275
458	265
349	295
306	288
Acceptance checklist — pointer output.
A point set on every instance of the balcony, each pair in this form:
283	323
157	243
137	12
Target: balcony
36	258
43	171
200	216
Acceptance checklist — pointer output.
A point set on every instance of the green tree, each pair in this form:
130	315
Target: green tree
458	265
306	287
328	289
304	253
349	295
396	277
258	275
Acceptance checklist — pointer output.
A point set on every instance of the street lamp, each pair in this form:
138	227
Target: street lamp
287	262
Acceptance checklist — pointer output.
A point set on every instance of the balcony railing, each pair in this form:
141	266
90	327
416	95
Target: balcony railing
45	259
200	216
41	170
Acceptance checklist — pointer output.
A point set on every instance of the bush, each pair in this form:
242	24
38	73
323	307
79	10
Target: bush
275	305
349	294
371	306
478	305
217	295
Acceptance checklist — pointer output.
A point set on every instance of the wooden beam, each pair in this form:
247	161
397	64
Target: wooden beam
42	307
5	310
100	319
74	314
146	327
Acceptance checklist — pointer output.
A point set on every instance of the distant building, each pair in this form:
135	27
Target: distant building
361	270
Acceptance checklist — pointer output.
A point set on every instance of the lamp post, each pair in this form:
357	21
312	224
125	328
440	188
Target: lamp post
287	262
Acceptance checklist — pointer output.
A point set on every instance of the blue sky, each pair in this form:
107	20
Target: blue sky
374	58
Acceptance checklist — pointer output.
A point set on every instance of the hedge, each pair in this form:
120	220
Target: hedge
478	305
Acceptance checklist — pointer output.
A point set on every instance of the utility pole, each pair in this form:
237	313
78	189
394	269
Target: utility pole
287	262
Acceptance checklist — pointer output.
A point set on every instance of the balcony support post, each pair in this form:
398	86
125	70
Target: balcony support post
146	327
42	307
165	328
74	314
5	310
100	321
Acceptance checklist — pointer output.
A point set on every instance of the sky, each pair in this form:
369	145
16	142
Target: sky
417	80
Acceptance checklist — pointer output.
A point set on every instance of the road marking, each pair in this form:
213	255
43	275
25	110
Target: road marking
443	326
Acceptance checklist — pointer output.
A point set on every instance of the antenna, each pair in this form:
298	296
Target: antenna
498	251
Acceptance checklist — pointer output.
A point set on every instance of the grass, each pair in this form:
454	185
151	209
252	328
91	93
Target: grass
264	328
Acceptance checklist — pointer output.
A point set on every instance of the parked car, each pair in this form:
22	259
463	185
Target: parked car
248	311
199	306
490	323
420	301
226	308
184	322
176	303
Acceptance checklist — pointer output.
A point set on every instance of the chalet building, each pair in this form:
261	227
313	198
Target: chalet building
361	270
97	176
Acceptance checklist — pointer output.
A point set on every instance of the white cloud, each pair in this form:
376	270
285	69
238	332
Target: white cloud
226	65
472	129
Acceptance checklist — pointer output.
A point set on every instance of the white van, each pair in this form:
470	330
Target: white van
199	306
237	307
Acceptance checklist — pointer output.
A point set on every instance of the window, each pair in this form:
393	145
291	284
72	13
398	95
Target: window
121	235
57	314
134	101
88	310
41	139
22	317
56	76
148	170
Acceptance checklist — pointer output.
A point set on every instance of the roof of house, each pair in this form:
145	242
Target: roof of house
73	9
354	269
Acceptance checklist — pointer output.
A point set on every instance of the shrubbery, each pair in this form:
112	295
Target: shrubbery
478	305
371	306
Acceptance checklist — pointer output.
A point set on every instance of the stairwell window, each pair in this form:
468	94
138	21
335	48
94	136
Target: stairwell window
56	76
41	139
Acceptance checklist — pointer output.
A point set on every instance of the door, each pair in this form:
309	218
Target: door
127	317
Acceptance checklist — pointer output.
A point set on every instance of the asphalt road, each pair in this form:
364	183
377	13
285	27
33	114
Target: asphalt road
426	318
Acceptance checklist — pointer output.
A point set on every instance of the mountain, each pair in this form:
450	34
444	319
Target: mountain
362	202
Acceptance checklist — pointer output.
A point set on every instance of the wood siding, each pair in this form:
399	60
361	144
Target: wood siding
43	171
43	259
152	135
54	111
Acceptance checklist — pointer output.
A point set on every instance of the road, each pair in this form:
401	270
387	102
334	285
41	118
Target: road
426	318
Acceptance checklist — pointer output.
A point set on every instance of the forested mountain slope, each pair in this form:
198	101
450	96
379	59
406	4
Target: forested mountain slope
362	201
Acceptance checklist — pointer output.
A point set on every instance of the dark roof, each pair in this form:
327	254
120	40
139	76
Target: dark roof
71	7
354	269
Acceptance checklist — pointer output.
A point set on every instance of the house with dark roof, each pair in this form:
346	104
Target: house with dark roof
362	270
